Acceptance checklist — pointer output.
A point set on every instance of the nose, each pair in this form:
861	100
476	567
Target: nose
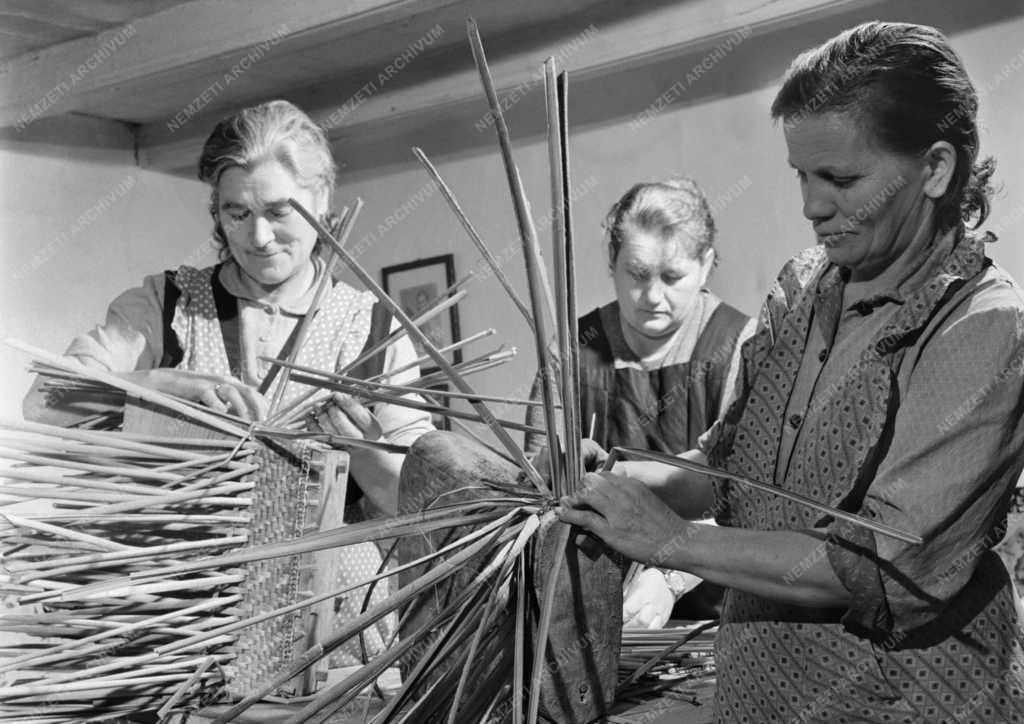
652	293
262	233
818	204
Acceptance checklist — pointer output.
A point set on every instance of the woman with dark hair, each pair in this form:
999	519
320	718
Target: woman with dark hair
200	334
884	379
658	364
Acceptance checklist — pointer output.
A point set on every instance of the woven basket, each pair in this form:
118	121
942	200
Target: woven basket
299	489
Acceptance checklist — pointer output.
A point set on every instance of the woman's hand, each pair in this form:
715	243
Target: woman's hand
592	456
625	515
220	393
648	601
344	415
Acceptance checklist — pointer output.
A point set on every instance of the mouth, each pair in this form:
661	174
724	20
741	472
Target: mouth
829	239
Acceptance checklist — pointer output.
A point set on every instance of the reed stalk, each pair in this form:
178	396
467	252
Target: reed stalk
143	393
881	528
427	345
492	262
302	331
400	401
426	358
297	406
360	622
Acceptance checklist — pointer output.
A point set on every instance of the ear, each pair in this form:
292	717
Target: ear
940	160
611	258
321	199
707	263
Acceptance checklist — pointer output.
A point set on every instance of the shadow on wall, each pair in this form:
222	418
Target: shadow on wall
757	62
72	137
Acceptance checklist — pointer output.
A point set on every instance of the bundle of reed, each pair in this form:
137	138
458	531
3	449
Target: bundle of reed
81	508
665	654
136	591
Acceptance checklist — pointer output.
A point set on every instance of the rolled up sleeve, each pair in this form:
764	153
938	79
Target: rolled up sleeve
947	475
131	337
401	425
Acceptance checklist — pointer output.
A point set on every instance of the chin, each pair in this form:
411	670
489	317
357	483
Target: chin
657	330
841	255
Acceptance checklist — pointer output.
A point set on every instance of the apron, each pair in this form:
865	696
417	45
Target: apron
201	334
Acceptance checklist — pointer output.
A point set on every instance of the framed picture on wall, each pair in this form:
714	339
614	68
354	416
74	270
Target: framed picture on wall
419	285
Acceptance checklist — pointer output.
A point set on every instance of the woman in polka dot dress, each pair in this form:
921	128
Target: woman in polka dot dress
200	333
885	378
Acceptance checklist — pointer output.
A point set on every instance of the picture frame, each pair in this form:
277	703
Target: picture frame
417	286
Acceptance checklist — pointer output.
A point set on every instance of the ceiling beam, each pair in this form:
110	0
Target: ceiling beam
638	38
58	78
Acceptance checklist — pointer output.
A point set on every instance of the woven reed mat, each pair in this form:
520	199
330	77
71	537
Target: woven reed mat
299	488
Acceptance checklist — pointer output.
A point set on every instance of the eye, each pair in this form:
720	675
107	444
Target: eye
843	181
671	279
279	212
638	275
236	215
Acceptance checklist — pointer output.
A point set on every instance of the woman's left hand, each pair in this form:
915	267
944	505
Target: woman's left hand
344	415
626	515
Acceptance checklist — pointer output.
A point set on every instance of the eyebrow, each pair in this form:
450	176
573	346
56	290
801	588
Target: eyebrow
827	169
276	204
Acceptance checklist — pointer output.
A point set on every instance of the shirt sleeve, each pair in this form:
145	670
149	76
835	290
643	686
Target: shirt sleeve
950	468
716	442
732	374
131	338
402	425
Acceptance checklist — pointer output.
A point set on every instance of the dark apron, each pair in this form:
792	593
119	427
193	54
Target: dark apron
665	409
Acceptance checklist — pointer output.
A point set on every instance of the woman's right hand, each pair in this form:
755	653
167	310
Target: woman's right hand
592	456
647	601
220	393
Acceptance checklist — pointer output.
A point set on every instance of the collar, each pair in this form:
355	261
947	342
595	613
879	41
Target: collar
836	297
685	335
230	276
864	297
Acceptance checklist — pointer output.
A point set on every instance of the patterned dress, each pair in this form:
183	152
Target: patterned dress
189	320
920	428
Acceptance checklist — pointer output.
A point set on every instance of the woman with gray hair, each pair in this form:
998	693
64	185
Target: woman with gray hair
201	334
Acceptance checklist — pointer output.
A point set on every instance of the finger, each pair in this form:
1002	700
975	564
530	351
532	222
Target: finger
657	620
585	519
255	404
593	455
598	493
631	606
233	400
210	399
360	416
631	621
337	421
313	423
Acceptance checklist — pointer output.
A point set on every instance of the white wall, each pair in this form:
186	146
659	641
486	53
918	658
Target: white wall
718	131
75	202
724	138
